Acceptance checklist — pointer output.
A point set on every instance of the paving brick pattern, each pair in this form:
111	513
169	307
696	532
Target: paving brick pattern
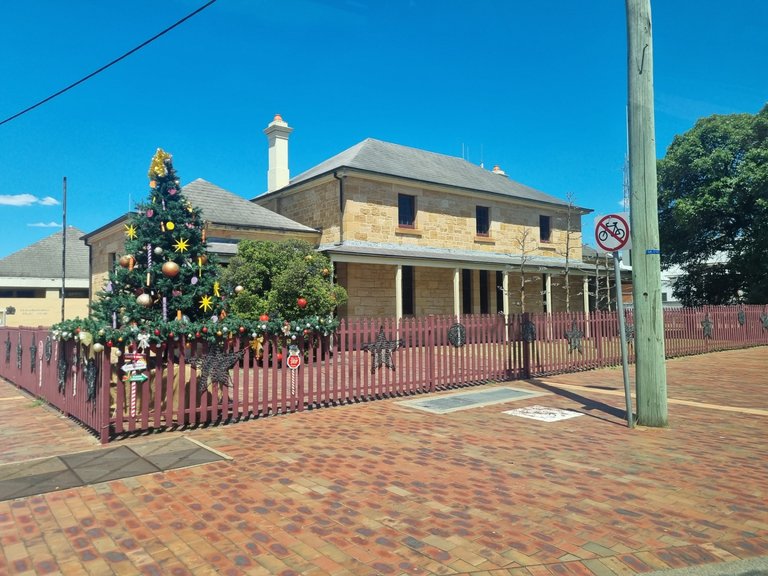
380	488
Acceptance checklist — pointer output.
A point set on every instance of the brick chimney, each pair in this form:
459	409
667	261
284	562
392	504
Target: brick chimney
277	133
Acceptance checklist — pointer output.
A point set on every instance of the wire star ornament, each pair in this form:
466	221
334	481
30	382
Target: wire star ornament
214	368
130	231
382	349
182	245
574	336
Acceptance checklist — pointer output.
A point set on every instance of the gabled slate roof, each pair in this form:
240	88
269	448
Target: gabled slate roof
380	157
220	206
226	208
43	258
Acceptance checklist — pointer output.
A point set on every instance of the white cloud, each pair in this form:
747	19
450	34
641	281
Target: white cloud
45	225
26	200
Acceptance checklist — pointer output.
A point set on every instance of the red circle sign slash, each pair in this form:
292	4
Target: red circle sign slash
293	361
612	233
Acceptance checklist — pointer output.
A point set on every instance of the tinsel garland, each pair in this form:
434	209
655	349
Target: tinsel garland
33	353
91	375
61	369
19	353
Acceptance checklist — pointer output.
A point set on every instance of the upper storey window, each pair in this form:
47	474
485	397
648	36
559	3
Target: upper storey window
482	221
545	229
406	210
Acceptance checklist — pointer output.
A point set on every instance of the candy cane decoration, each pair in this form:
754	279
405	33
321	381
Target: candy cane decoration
133	399
149	260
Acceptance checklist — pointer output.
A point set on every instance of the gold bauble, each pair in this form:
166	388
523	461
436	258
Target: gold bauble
144	300
171	269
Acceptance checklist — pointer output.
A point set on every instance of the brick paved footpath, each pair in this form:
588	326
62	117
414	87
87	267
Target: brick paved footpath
378	488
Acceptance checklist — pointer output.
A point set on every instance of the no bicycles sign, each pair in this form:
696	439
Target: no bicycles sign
612	232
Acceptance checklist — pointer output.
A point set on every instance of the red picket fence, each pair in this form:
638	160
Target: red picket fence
364	360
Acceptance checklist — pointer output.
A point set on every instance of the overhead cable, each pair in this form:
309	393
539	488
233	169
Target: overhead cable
115	61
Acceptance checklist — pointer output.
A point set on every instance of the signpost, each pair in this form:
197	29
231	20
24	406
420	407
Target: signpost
612	234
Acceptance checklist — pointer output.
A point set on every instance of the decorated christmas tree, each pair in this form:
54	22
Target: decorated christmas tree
166	278
166	285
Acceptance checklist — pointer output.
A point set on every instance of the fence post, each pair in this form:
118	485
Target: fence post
103	392
430	352
526	319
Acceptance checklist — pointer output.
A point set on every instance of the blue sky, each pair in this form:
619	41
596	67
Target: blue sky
538	88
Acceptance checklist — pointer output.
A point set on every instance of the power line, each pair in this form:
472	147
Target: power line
115	61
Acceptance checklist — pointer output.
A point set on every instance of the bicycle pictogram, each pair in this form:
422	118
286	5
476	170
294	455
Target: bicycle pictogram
611	229
612	232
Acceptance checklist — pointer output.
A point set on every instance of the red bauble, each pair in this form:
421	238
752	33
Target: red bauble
197	334
279	356
264	317
301	302
242	329
205	330
157	332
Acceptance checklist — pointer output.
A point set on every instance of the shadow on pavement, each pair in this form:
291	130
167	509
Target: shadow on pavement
587	404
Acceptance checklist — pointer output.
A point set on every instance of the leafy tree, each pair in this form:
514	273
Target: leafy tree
713	207
287	279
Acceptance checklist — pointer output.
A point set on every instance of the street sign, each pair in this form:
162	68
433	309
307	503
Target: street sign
612	232
140	377
133	356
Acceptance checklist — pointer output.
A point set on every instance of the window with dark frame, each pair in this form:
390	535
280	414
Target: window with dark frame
485	295
482	221
545	228
466	291
409	291
406	210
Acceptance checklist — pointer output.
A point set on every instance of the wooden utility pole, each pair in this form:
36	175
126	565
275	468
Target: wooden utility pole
650	370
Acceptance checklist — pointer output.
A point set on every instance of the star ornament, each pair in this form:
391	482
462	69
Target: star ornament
130	231
381	350
182	245
206	303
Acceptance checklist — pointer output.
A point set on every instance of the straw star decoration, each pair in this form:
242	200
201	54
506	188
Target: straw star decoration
130	231
181	245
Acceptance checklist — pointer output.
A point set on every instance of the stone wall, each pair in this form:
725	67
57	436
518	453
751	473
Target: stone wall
45	311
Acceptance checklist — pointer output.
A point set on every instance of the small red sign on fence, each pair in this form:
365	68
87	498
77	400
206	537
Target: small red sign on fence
293	361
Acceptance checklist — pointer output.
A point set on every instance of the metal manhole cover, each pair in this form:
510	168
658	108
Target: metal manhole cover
464	400
544	414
